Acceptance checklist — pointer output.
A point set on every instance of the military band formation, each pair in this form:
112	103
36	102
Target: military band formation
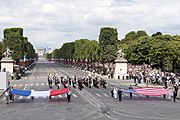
78	82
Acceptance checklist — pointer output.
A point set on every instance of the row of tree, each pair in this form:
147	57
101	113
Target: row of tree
157	50
90	50
21	47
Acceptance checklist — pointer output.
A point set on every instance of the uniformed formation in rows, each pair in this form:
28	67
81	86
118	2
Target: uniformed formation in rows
66	81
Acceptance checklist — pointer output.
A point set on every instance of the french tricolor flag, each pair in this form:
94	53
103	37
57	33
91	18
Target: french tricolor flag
39	93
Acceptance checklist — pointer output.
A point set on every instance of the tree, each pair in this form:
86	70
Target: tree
13	38
68	49
108	39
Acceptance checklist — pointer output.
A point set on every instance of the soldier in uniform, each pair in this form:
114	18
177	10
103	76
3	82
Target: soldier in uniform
120	94
69	95
130	88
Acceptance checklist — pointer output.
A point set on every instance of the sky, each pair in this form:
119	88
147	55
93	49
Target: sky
54	22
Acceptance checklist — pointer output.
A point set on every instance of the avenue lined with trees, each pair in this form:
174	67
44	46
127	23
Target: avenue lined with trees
158	50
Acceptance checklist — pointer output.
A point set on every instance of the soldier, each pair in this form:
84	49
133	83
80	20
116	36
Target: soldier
62	79
57	82
69	95
130	88
49	80
175	92
11	96
120	94
112	94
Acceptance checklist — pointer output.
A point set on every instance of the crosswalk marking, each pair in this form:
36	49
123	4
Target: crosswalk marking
4	99
42	83
60	96
20	97
105	95
98	95
74	95
31	84
37	84
37	77
28	97
20	85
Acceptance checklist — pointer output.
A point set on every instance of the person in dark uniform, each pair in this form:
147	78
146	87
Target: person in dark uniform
112	94
130	88
175	92
174	96
69	95
120	94
11	96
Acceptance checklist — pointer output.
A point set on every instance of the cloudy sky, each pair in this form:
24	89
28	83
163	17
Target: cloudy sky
54	22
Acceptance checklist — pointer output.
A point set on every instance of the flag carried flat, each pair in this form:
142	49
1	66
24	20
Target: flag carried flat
39	93
152	91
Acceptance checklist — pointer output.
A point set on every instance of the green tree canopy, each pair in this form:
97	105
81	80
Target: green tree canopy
108	44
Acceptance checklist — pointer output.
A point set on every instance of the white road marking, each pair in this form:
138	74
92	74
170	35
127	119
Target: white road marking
31	84
14	85
28	97
116	84
20	85
33	77
4	99
47	84
26	84
111	83
37	77
37	84
98	95
41	77
42	83
74	95
20	97
105	95
60	96
45	96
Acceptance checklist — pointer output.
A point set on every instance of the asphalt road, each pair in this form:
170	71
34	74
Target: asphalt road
88	104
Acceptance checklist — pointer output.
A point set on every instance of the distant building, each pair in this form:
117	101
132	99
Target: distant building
40	51
50	51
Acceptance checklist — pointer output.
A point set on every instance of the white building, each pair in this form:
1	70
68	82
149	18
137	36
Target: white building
40	51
